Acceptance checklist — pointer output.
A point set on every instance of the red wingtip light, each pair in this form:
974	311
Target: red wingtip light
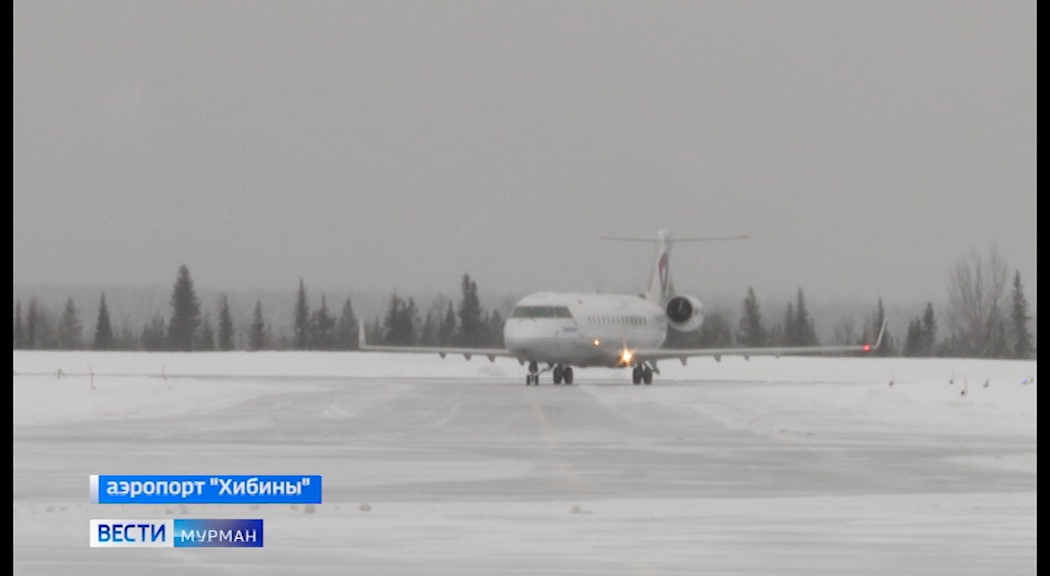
867	347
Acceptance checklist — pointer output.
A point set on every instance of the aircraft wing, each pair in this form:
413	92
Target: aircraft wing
683	353
467	353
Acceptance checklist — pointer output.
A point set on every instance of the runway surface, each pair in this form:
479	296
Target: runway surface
479	475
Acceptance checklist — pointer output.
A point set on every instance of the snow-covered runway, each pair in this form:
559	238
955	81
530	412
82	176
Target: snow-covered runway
430	466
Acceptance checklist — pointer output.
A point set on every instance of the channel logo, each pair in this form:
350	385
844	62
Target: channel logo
177	533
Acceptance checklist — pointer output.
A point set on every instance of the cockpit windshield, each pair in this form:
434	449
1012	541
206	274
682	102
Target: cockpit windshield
541	312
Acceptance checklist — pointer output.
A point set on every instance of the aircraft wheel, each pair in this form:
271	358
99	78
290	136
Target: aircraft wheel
567	375
636	375
647	375
558	374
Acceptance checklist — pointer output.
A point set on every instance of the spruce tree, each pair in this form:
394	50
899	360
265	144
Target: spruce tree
257	333
323	327
397	326
495	330
347	328
428	333
70	329
185	315
302	339
375	332
1022	339
471	321
408	321
913	342
206	335
789	335
225	339
447	331
20	336
104	338
928	332
125	339
714	332
152	339
752	333
805	333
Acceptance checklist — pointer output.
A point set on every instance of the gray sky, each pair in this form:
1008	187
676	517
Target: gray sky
865	146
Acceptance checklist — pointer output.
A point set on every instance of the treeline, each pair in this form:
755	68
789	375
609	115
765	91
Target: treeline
191	328
982	320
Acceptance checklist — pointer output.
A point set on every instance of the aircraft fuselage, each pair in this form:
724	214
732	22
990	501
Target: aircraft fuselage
583	329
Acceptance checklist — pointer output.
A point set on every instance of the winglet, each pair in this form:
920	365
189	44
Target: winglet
878	340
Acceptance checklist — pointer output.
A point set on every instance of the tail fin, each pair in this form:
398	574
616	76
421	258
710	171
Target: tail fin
661	288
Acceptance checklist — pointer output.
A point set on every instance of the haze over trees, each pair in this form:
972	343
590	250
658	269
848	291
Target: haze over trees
987	315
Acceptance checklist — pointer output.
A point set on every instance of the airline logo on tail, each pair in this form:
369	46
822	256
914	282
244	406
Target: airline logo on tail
663	272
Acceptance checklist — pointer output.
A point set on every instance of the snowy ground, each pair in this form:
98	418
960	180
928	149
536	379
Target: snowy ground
768	466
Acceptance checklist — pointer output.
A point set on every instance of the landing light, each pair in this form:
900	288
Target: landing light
627	357
597	342
867	347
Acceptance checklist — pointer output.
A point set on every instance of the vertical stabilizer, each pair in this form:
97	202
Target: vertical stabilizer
661	288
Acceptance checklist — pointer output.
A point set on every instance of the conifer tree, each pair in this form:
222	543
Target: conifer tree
20	335
471	320
752	333
375	332
397	327
410	321
186	312
323	327
152	338
206	335
225	339
928	332
428	333
69	328
1022	338
257	333
714	332
125	339
104	339
495	330
789	336
447	331
302	339
347	328
913	342
805	333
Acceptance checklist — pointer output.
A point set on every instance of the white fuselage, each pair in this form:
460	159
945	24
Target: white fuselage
582	329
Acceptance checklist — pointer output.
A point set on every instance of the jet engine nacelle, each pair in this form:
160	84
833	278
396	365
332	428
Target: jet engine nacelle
683	313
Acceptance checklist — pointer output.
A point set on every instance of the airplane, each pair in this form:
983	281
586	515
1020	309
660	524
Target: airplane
567	330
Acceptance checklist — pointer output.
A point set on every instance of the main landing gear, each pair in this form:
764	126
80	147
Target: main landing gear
562	373
642	373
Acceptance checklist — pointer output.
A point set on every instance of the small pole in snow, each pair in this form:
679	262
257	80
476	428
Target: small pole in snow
891	378
951	380
91	376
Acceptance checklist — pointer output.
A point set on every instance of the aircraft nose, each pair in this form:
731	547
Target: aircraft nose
517	331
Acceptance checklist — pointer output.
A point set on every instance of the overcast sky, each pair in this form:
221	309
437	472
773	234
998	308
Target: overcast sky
866	146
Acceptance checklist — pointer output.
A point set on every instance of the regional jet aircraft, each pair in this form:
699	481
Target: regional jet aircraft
566	330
